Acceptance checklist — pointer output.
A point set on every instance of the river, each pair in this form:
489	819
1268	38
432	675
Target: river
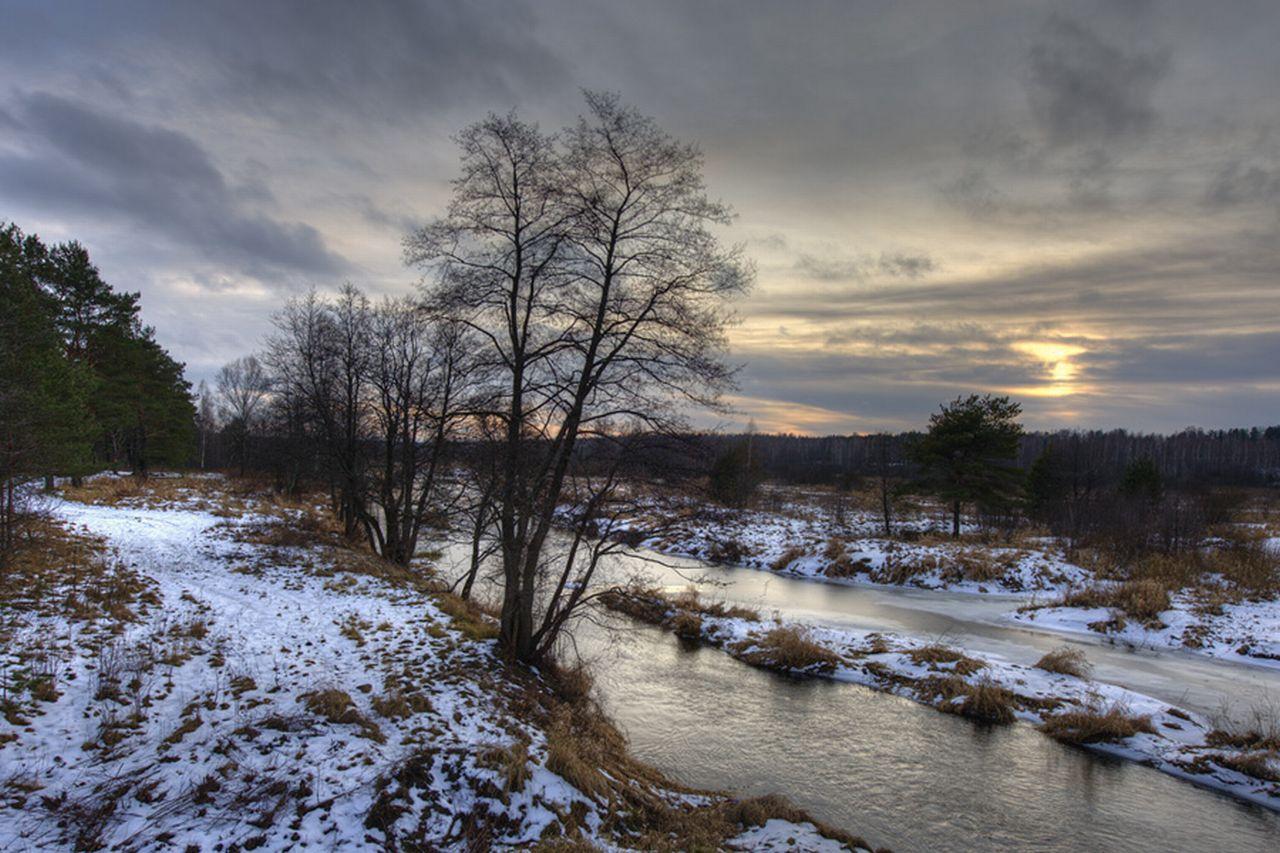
899	773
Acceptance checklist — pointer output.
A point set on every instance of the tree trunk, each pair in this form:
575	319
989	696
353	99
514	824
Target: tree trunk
955	520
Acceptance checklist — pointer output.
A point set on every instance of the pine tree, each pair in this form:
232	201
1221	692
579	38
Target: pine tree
969	454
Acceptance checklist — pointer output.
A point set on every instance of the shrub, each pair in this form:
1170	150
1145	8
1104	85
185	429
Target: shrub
1066	661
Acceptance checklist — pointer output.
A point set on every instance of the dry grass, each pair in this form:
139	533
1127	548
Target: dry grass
468	617
1143	600
511	762
687	626
1263	764
839	563
987	702
899	569
336	706
1066	661
788	557
981	566
786	648
1096	725
937	654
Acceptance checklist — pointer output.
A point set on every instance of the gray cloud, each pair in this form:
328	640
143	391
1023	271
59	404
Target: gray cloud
1080	172
1243	183
1086	90
87	164
896	264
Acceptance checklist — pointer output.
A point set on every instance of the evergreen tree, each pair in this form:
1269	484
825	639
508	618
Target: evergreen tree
44	427
1142	481
1047	485
969	454
734	477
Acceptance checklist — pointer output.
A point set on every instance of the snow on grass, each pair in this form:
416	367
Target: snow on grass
812	544
1075	709
258	687
1245	631
804	540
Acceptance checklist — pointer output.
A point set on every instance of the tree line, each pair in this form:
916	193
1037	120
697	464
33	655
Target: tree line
1249	456
83	383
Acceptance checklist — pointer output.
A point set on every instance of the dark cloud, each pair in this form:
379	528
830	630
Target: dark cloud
1243	183
85	164
1081	173
1084	89
844	268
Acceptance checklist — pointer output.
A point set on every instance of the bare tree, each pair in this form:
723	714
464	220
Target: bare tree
587	267
420	376
243	385
317	356
206	418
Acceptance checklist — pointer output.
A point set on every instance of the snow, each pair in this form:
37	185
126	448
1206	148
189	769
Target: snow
210	738
804	539
781	835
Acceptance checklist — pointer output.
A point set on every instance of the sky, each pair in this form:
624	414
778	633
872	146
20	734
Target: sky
1073	203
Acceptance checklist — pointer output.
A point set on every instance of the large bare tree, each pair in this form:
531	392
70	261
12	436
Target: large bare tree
587	265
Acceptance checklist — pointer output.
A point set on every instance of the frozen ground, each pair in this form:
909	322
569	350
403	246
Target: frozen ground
258	696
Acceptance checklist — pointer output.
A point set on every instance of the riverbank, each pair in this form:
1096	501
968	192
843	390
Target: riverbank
1227	608
191	661
1059	699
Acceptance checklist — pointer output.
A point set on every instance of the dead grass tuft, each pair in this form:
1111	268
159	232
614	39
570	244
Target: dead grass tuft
1066	661
468	617
336	706
786	648
788	557
511	762
1096	725
1262	764
987	702
937	655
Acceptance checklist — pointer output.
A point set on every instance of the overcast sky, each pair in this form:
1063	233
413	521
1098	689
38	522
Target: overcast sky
1074	203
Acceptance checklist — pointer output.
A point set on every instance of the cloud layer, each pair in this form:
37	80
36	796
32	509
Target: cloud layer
1074	202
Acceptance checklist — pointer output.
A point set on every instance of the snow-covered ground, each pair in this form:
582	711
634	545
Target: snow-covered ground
266	696
1175	741
1247	632
806	539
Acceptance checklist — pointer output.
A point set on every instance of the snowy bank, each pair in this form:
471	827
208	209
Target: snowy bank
200	667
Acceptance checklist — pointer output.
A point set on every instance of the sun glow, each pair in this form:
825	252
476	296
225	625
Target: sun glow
1055	357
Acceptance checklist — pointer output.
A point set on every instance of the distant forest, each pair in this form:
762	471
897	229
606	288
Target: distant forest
1193	456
